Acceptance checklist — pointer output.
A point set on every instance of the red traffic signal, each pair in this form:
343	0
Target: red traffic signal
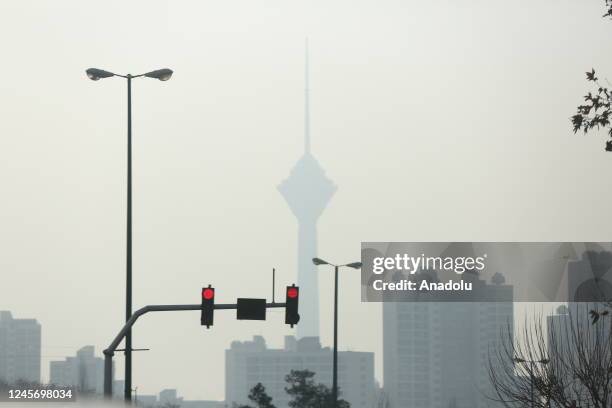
208	293
292	292
208	306
291	305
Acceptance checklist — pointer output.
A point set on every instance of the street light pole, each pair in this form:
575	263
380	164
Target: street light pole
354	265
335	357
96	74
128	252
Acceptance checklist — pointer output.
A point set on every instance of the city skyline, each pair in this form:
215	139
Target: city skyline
403	122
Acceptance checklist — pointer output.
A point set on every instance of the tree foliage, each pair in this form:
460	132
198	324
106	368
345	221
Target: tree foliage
259	397
305	393
303	390
596	111
567	363
609	9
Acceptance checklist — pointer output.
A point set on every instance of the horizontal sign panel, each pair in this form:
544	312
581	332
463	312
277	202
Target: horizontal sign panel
251	309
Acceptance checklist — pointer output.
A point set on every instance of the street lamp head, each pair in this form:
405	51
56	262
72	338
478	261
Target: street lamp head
354	265
544	361
319	261
518	360
95	74
163	74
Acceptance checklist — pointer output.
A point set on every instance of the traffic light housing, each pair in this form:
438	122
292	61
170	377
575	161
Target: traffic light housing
208	306
291	305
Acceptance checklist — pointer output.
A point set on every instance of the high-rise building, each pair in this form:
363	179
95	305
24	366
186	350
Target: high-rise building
250	362
19	349
559	327
307	191
84	371
436	353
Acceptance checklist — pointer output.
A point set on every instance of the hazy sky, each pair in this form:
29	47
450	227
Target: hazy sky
439	120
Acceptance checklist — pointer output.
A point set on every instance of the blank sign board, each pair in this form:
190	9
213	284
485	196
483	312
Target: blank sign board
251	309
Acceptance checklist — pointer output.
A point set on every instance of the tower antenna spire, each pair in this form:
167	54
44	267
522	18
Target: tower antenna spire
306	101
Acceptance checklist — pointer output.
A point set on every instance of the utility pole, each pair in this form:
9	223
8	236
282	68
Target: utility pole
95	74
353	265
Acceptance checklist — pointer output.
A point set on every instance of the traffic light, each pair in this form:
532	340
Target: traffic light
291	305
208	306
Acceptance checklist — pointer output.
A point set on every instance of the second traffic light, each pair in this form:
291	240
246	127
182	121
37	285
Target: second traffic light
291	305
208	306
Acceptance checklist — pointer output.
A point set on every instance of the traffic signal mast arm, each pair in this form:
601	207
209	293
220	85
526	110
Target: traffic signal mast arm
110	351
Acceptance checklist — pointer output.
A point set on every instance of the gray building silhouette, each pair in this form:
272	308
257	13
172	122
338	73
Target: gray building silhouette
20	344
436	353
250	362
84	372
307	191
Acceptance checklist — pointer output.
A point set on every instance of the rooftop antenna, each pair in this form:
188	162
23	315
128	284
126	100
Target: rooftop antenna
273	279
